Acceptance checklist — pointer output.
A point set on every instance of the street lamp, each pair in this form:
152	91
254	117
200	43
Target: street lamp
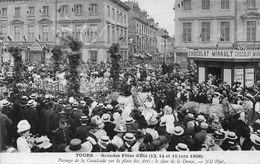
2	49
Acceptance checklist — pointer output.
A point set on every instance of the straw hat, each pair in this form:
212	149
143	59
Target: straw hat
129	137
182	147
178	131
5	103
32	103
200	118
23	126
106	117
75	146
33	96
120	128
232	136
129	120
104	140
219	135
256	141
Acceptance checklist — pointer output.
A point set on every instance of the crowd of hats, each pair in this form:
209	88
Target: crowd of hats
187	133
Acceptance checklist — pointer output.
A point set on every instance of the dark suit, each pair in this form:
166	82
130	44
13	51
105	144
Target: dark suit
55	120
76	117
199	139
61	136
4	121
48	114
247	144
109	128
81	132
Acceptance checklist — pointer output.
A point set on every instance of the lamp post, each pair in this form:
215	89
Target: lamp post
2	49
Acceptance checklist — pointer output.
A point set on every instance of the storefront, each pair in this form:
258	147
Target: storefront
228	65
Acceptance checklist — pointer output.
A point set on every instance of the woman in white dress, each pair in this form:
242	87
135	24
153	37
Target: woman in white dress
24	144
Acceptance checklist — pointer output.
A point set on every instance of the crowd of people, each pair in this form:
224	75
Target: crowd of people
43	122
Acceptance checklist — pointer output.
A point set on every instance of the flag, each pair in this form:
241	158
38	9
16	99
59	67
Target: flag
9	38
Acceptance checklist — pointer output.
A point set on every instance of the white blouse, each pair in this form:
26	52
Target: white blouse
22	145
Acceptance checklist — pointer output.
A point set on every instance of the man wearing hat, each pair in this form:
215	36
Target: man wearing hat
176	136
109	126
231	142
77	113
219	137
81	132
59	113
91	137
75	146
256	144
129	141
62	135
139	119
32	116
48	114
103	143
68	111
199	137
117	140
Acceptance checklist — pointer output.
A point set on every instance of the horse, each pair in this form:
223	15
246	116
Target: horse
214	110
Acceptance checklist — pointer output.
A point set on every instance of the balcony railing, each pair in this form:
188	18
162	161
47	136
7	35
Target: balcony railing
248	44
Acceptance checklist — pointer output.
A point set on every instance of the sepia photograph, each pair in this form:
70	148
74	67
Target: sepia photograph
130	81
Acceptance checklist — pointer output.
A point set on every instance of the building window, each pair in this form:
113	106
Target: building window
45	10
78	9
3	32
205	31
108	33
93	56
124	18
113	34
251	4
108	11
113	14
251	30
64	30
117	16
77	32
187	5
225	31
4	12
93	9
117	34
205	4
64	10
31	11
31	33
224	4
17	33
125	37
45	33
17	12
93	32
186	32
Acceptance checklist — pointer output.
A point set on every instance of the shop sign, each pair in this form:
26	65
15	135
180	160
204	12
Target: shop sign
249	76
224	54
239	76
